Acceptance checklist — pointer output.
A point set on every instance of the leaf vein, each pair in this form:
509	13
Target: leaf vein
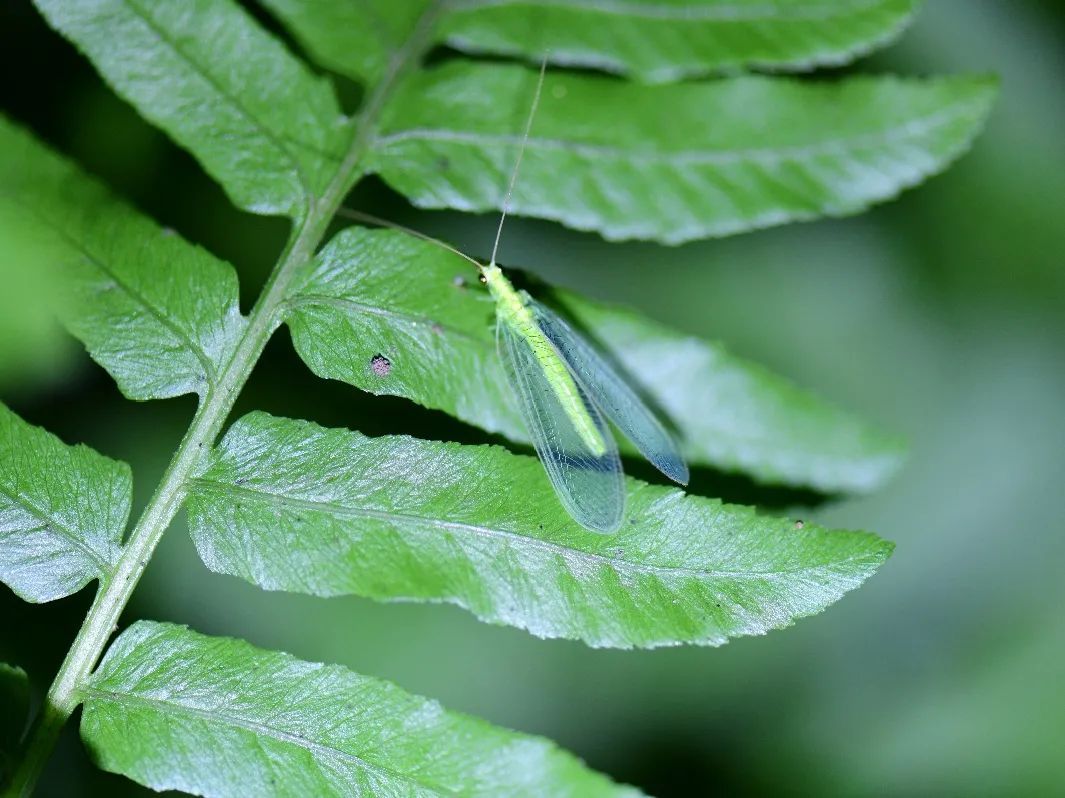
261	730
159	315
50	523
281	142
343	511
345	303
912	128
692	12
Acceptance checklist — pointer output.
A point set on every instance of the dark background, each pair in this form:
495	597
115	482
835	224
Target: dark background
939	316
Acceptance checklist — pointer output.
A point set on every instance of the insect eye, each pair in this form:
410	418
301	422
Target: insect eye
482	278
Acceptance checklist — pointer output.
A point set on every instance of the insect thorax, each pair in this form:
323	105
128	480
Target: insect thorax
510	305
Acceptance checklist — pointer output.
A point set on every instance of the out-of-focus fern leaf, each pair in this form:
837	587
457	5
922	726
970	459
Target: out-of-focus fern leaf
15	701
654	41
160	314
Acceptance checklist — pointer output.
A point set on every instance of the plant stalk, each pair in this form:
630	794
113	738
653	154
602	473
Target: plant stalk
115	590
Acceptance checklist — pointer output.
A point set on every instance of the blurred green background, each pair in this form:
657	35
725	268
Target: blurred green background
940	316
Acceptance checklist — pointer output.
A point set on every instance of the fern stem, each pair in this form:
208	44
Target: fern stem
114	592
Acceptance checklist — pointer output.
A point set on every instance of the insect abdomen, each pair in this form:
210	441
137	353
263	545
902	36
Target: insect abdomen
563	386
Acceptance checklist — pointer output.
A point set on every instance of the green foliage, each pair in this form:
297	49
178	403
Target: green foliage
33	348
287	504
358	40
214	716
62	511
159	313
671	163
436	332
260	123
15	701
667	41
290	505
654	42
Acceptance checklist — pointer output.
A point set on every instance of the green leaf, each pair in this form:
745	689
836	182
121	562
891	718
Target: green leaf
217	717
357	40
436	333
62	511
649	41
159	313
738	416
204	71
671	163
663	41
15	706
289	505
33	347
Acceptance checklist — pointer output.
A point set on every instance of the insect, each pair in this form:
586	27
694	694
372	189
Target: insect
566	391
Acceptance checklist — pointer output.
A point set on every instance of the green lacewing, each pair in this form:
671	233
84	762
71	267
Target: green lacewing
566	391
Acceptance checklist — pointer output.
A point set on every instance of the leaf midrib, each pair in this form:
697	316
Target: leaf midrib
917	126
723	433
258	728
164	320
51	524
346	303
692	12
280	142
566	552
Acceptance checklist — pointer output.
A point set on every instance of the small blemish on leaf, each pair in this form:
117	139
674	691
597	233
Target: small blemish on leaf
380	365
799	524
558	92
443	163
459	281
437	328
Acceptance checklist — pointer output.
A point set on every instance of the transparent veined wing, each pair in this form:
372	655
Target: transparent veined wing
590	487
612	395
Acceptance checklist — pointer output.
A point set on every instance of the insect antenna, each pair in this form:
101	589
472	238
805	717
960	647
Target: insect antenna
521	153
369	218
